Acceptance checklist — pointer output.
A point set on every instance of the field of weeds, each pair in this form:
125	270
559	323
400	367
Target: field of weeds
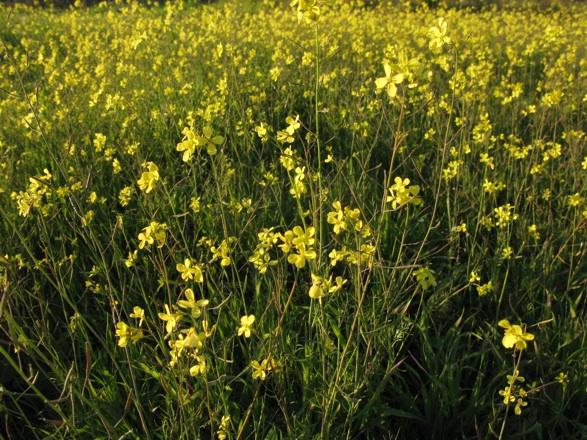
324	220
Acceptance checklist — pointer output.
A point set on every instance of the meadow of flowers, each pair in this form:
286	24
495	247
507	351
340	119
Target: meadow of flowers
316	220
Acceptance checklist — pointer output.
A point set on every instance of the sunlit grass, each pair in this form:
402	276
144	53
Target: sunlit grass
326	221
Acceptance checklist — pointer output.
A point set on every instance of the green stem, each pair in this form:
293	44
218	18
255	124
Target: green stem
320	229
505	279
511	383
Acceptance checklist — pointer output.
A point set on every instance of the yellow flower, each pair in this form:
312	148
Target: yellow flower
191	303
145	238
99	142
298	187
519	405
125	195
336	218
461	228
132	256
126	333
200	368
504	215
221	252
514	335
123	331
149	178
294	124
259	369
172	319
139	314
287	158
308	10
353	217
246	324
189	272
437	35
195	204
286	237
224	421
486	159
533	231
389	81
190	338
562	378
262	131
116	167
188	144
401	193
474	277
303	237
283	136
507	395
210	141
299	260
155	231
317	291
575	200
485	288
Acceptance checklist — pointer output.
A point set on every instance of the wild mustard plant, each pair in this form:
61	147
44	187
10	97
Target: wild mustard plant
437	35
151	288
322	287
154	233
515	337
262	369
127	333
401	194
39	188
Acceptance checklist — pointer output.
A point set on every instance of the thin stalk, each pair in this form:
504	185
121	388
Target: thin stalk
511	384
320	229
505	279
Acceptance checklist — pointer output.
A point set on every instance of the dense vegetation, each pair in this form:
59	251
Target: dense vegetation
245	220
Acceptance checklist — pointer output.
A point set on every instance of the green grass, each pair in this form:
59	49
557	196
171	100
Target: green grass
390	328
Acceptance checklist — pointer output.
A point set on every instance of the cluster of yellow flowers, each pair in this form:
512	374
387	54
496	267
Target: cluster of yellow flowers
401	194
195	81
191	140
38	188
